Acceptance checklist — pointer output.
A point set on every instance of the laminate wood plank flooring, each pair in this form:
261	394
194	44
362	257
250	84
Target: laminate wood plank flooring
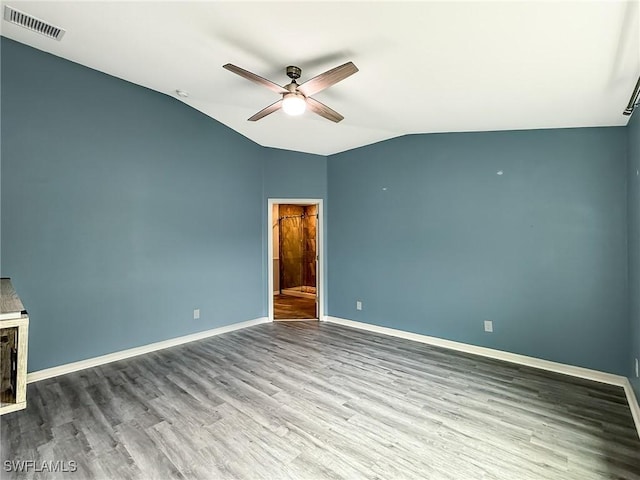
321	401
290	306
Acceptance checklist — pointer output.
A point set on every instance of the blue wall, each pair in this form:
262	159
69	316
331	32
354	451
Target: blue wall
540	250
290	174
122	211
633	196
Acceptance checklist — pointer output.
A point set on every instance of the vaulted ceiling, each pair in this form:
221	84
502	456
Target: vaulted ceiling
424	66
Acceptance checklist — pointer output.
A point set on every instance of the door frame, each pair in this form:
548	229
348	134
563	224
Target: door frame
319	249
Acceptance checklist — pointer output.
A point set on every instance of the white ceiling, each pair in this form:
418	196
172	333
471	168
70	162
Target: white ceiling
424	66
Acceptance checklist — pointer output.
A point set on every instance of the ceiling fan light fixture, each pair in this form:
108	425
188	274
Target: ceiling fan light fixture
294	104
296	98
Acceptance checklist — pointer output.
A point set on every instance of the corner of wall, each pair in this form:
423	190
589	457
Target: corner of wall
632	131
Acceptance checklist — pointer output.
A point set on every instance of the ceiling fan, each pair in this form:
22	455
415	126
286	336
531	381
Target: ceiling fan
297	98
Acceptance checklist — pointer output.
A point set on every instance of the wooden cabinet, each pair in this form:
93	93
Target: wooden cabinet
14	334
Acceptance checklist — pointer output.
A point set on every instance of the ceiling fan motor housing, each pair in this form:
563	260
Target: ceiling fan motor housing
293	72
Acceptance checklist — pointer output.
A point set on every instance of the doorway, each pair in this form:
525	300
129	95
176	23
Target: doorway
295	267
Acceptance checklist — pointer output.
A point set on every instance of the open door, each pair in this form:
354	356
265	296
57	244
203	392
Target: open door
295	259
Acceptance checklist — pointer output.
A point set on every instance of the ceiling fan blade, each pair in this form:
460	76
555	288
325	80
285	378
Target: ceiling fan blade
328	78
255	78
266	111
321	109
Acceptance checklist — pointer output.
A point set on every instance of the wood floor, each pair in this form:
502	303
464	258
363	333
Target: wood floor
321	401
290	306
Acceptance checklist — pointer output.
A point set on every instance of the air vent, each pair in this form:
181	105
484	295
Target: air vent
32	23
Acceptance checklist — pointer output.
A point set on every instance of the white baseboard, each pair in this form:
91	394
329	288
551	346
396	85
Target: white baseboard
133	352
633	403
586	373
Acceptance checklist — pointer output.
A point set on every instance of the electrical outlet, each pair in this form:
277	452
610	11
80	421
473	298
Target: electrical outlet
358	305
637	368
196	314
488	326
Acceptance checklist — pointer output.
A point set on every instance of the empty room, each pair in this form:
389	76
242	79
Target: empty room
320	240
